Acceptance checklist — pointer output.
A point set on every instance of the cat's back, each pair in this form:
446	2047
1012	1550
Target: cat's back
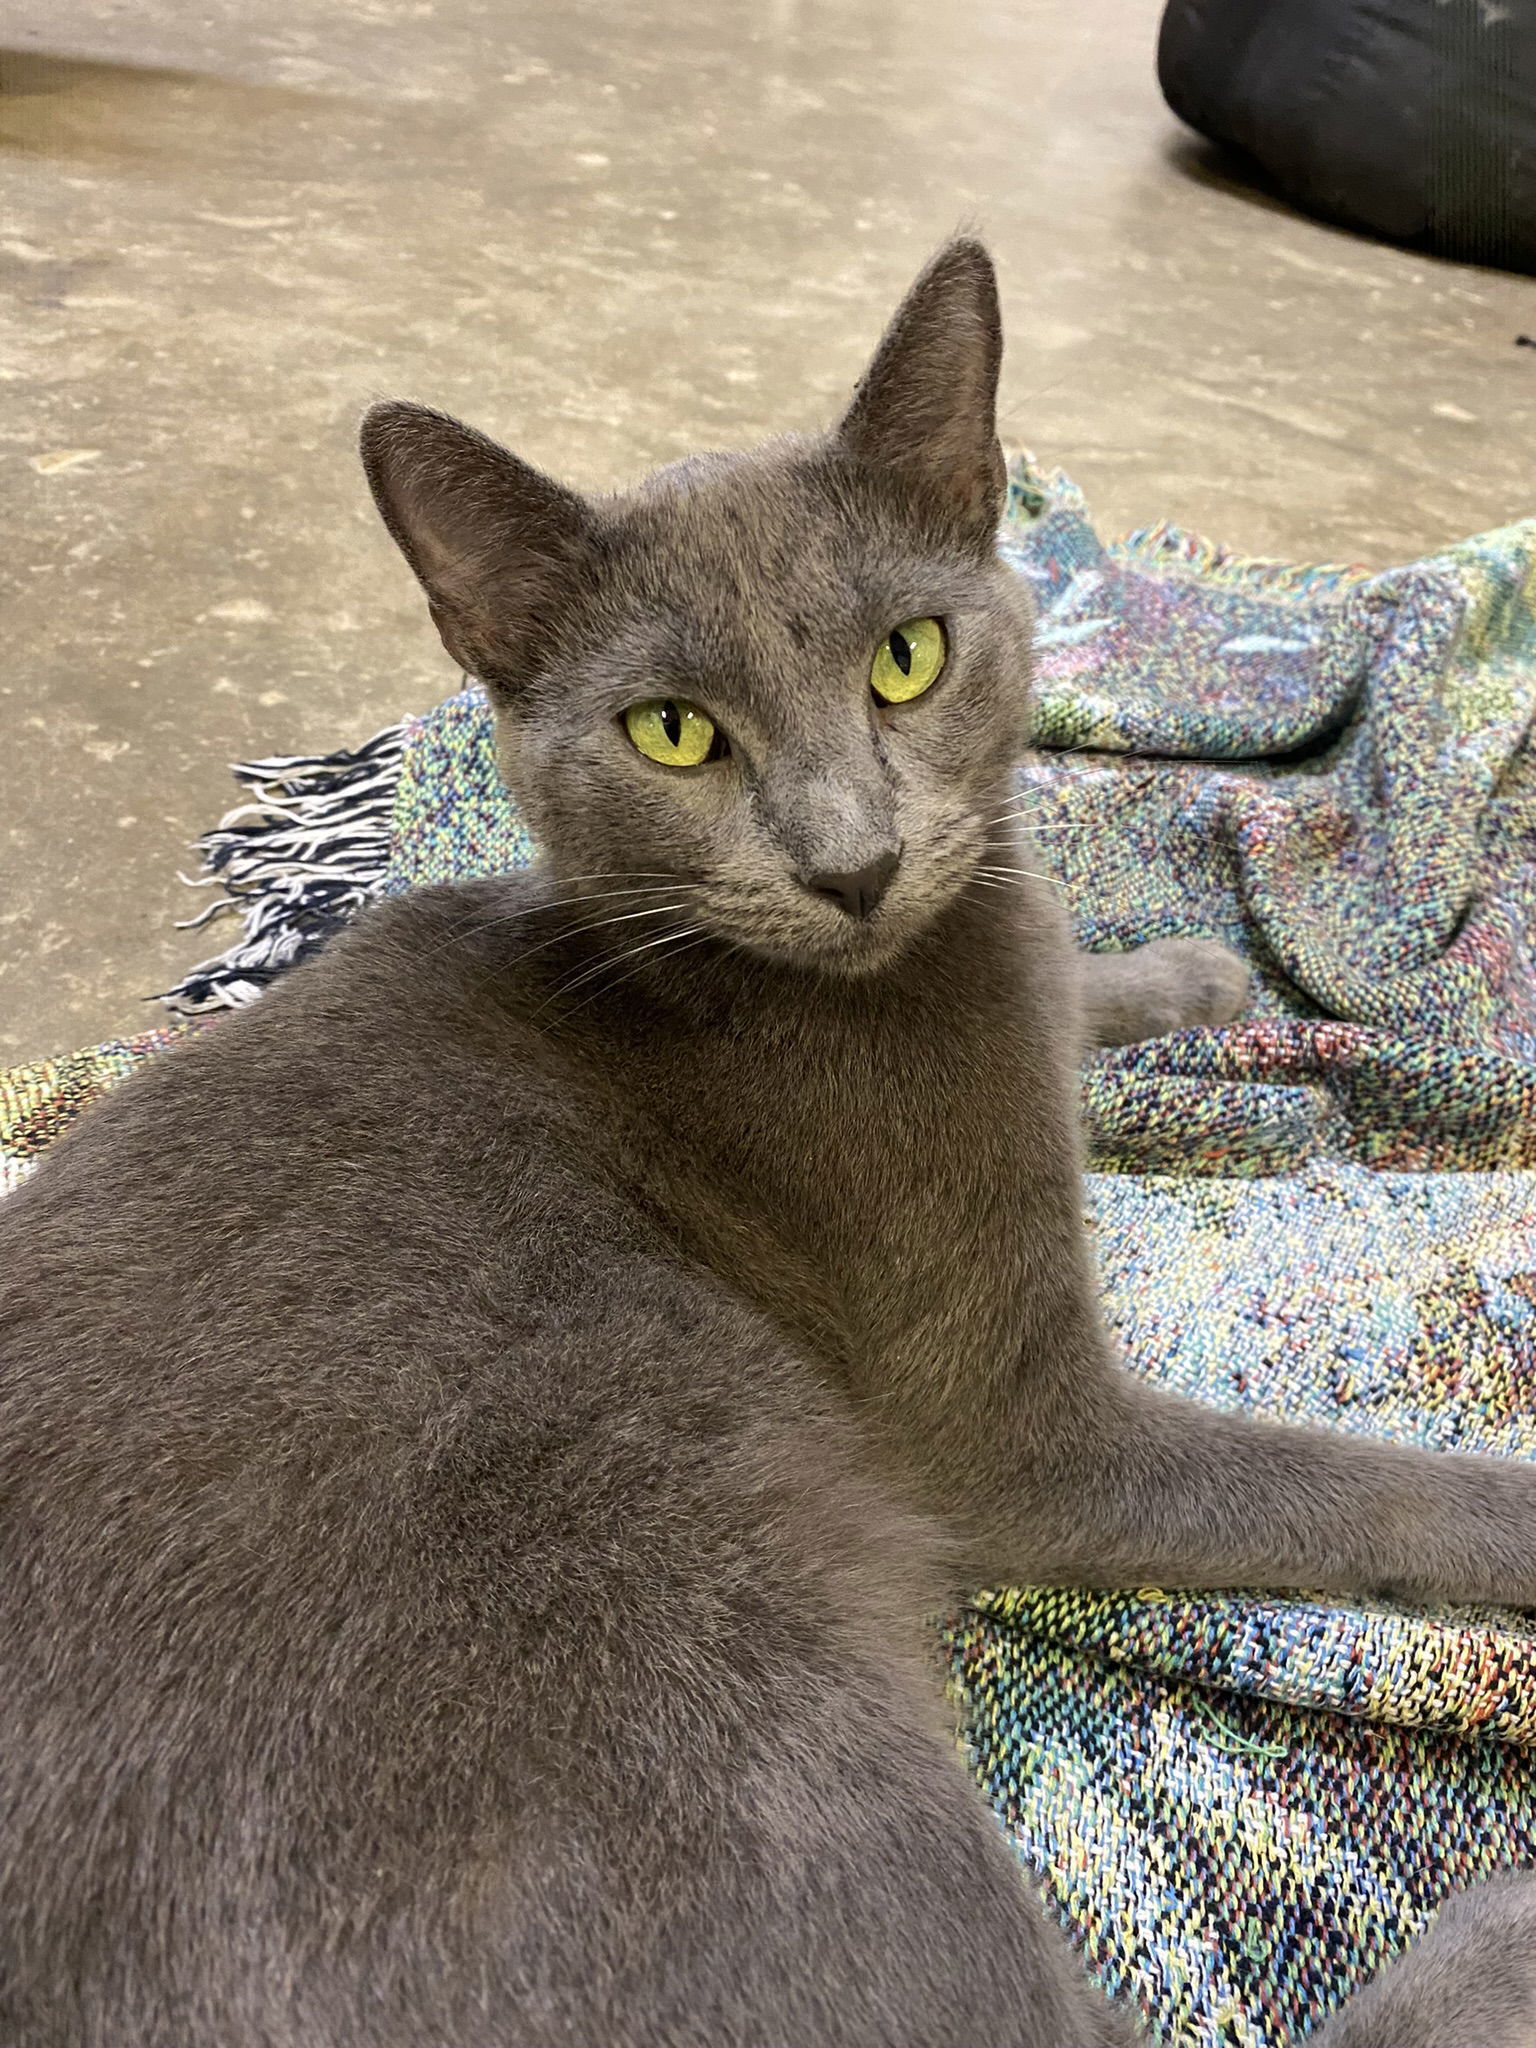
378	1203
383	1123
433	1608
396	1531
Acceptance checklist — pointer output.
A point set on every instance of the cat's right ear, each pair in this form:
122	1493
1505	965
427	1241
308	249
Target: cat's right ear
924	414
500	548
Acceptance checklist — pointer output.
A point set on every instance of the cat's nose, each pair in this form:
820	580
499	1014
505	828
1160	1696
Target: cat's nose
856	890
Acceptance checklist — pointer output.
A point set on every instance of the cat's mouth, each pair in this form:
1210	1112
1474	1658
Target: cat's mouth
810	929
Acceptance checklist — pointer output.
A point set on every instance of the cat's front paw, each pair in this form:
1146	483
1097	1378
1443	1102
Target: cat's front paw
1166	985
1205	982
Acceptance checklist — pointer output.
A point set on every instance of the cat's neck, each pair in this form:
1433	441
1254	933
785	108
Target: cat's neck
876	1148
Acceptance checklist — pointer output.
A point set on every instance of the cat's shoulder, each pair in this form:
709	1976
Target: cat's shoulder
451	914
408	951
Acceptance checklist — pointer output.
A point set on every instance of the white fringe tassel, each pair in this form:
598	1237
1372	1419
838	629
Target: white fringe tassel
296	864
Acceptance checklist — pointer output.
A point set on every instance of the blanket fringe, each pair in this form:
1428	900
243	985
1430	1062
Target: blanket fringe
1164	545
296	863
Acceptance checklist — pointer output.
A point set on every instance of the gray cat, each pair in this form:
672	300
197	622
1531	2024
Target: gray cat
479	1432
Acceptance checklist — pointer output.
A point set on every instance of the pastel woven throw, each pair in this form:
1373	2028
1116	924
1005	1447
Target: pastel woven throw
1240	1805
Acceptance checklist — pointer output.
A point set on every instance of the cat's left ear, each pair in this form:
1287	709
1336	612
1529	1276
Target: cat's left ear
925	412
500	548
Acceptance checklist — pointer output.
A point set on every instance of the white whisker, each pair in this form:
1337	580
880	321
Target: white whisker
507	918
1014	817
596	924
622	875
691	936
1029	874
564	987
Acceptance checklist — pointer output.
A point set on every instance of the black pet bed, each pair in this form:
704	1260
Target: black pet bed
1410	119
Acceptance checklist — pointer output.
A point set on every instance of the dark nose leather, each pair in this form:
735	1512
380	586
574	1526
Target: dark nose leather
856	890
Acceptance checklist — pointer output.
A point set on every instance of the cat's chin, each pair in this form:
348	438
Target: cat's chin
864	953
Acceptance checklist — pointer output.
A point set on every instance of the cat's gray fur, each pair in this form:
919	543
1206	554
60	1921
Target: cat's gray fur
480	1432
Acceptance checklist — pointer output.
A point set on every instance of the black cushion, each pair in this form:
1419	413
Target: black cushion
1412	119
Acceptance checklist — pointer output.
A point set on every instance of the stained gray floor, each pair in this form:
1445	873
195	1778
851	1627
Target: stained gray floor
609	233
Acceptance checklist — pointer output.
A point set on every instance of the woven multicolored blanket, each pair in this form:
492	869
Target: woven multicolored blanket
1241	1805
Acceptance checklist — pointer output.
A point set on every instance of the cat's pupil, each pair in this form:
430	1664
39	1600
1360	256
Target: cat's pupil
901	653
671	722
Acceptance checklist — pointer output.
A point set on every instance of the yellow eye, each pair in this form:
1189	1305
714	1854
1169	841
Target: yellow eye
671	731
908	661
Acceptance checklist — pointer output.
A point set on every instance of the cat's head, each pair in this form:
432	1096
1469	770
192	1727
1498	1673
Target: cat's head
793	681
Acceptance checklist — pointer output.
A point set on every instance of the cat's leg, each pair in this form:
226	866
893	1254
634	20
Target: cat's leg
1167	985
877	1908
1061	1464
1469	1983
1052	1462
1127	1485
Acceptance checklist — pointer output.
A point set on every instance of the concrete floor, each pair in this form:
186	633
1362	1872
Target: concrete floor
608	232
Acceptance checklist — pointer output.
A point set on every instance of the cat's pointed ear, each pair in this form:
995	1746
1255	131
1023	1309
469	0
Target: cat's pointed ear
500	548
925	411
